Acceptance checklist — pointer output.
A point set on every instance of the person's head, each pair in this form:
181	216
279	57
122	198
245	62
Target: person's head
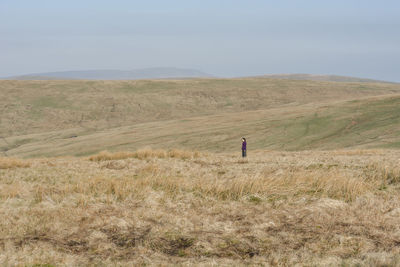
243	139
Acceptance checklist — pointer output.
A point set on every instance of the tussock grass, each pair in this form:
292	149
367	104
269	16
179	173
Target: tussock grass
10	163
321	183
145	153
315	183
157	207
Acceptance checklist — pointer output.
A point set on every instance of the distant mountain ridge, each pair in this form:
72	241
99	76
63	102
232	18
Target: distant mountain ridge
318	77
173	73
147	73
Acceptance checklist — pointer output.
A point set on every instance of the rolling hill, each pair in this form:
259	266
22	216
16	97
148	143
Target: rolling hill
83	117
317	77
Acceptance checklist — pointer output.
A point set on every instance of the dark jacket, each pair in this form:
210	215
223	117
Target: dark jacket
244	144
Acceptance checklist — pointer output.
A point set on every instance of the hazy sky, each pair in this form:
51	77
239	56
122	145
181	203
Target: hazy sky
221	37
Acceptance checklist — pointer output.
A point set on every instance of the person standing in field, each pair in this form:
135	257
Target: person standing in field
244	147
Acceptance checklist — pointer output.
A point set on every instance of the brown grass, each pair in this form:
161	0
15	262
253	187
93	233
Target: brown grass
155	207
145	154
10	163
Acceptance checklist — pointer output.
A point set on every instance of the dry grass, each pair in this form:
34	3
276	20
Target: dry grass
174	207
10	163
146	153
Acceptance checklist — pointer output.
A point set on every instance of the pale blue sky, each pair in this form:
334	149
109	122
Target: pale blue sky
221	37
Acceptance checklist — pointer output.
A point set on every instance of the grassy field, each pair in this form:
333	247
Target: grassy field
53	118
320	186
153	207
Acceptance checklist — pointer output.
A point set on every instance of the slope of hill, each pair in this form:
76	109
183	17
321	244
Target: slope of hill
42	106
368	123
149	73
327	78
82	117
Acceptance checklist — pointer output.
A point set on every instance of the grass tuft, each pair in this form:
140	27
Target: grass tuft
145	154
11	163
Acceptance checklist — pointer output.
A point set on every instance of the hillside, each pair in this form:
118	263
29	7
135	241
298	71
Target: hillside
149	73
369	123
317	77
82	117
